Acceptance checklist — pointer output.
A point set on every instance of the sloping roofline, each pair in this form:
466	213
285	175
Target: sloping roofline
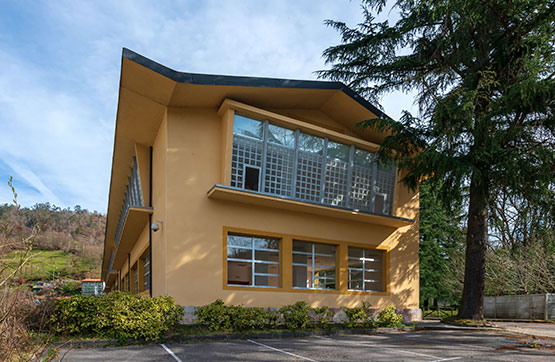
230	80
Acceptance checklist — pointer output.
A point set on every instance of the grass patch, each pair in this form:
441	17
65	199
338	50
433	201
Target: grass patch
50	264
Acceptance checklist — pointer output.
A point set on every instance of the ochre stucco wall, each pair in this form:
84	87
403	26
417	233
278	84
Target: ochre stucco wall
190	244
159	195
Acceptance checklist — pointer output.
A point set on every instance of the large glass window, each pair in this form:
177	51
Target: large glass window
252	261
365	269
314	265
293	164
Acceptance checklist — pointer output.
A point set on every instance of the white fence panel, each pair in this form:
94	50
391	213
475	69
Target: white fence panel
531	306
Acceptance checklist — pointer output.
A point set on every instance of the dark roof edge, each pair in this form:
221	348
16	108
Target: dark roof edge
230	80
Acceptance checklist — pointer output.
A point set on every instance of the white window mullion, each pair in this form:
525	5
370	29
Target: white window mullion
373	184
350	164
324	167
262	181
295	165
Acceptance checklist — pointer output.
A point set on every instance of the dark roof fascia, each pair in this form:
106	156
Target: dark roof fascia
230	80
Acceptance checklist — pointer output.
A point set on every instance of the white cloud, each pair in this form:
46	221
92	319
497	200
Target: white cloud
60	82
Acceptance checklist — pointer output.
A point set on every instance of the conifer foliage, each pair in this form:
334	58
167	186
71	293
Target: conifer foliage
484	74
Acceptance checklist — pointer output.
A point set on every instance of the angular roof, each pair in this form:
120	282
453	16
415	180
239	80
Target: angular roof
229	80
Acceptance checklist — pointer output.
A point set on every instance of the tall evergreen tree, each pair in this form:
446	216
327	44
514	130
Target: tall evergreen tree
484	73
441	237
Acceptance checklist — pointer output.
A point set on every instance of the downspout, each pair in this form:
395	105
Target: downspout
150	223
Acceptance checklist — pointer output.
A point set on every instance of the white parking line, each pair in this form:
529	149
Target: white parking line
379	346
171	353
282	351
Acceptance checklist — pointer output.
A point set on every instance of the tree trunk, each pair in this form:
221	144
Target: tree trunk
476	242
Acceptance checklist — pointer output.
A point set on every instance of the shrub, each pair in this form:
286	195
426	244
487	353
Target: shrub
220	317
295	316
324	315
389	318
216	316
71	288
116	315
360	317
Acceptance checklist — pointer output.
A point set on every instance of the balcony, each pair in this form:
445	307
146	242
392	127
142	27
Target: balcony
112	274
134	216
234	194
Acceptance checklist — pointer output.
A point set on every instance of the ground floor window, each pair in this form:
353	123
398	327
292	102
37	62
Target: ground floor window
366	269
253	261
295	264
145	260
135	279
314	265
126	283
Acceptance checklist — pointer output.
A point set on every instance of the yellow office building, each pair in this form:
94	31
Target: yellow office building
257	191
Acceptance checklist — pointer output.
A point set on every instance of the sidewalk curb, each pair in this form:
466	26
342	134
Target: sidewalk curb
221	337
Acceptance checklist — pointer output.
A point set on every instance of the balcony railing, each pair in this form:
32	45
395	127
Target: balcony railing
110	270
133	197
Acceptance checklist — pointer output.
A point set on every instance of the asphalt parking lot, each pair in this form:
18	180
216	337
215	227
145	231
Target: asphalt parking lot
445	345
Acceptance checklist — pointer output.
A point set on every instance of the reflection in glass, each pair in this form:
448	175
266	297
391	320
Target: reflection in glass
338	150
281	136
248	127
311	143
239	253
363	158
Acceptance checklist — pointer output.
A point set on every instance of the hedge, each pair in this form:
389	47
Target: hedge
115	315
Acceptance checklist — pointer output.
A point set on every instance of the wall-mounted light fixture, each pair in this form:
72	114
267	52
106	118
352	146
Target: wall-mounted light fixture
156	225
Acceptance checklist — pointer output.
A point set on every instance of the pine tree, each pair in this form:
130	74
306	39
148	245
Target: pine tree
441	237
484	73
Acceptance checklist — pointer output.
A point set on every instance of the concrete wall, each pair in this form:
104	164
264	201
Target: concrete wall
531	306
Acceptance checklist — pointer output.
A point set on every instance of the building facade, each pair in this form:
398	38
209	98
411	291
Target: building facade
255	191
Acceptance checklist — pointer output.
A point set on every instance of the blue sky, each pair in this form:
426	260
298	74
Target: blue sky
60	64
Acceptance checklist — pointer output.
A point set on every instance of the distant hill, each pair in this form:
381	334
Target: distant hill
66	243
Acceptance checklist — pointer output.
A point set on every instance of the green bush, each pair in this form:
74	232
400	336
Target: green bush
116	315
360	317
324	315
389	318
295	316
220	317
71	288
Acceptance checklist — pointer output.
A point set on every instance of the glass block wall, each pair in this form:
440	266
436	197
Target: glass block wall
305	167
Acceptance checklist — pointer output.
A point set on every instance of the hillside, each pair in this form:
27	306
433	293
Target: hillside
65	243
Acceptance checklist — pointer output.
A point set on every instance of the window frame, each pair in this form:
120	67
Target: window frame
253	261
145	275
285	262
364	270
345	202
313	264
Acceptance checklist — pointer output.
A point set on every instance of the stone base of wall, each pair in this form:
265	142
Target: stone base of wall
339	316
410	314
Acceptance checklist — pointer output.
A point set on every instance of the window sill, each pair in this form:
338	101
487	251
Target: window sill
228	193
303	290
